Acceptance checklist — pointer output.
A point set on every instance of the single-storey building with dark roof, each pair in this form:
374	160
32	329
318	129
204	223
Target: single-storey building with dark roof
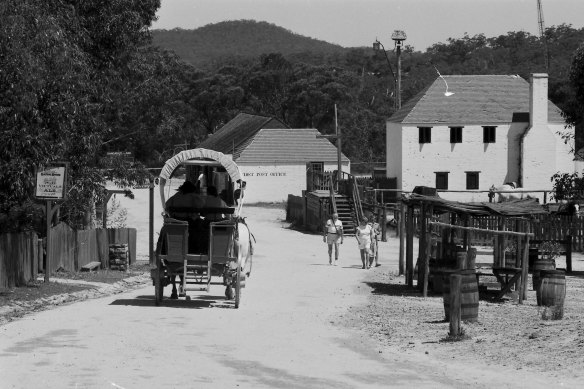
469	132
272	158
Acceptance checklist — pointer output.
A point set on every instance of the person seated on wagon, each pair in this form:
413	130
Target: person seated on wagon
186	205
212	200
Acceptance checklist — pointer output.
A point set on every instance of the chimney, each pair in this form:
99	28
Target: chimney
538	100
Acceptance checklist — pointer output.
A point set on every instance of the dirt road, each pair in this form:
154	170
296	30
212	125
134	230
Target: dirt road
285	334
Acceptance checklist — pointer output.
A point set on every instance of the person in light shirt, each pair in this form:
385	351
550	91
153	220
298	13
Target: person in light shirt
333	236
364	233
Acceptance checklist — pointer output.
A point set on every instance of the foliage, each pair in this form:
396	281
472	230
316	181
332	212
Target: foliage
64	67
511	245
550	250
235	41
574	110
117	216
567	186
293	77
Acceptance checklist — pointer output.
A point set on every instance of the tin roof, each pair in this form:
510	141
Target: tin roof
230	138
291	145
477	99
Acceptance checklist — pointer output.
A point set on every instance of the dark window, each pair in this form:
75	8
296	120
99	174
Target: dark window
425	134
472	180
489	134
317	167
455	134
441	180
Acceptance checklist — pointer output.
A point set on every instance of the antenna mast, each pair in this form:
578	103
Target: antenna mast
542	35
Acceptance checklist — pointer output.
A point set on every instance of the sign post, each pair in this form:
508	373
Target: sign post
51	185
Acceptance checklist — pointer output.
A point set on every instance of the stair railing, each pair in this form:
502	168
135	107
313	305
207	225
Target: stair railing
357	200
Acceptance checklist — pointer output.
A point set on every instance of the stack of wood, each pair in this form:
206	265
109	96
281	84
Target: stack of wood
118	256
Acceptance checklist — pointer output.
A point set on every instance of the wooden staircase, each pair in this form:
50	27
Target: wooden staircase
346	211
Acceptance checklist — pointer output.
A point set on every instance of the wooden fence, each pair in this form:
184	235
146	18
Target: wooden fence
21	255
19	258
295	210
544	227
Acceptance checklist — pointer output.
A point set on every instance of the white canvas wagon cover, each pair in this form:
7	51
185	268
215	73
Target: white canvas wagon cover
225	161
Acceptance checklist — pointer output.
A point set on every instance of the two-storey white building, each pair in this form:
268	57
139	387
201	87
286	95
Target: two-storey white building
488	130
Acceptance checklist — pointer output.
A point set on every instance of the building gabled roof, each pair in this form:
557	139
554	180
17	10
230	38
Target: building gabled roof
290	145
477	99
229	138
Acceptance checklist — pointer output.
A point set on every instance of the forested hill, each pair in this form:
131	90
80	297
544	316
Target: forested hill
241	40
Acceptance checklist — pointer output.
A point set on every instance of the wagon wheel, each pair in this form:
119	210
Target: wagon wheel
238	286
158	287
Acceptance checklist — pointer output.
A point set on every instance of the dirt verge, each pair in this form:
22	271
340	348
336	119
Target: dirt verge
506	334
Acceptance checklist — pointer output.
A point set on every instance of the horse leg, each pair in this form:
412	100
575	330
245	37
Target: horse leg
174	294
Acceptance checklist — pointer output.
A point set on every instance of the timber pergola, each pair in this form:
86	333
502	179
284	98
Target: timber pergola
431	205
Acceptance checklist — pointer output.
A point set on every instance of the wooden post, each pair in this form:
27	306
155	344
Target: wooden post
465	234
151	223
428	249
402	235
568	253
384	225
50	211
519	254
501	242
422	250
524	262
455	283
410	246
397	228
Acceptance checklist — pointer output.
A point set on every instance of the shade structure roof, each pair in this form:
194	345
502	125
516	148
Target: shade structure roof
514	208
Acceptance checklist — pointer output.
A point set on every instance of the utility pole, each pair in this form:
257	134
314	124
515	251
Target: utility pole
398	36
337	136
541	25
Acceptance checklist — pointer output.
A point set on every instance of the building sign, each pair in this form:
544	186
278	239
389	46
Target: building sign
51	182
264	174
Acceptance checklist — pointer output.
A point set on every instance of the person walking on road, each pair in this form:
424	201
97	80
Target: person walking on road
375	235
363	234
333	236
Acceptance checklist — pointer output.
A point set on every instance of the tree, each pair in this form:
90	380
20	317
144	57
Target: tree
62	62
574	110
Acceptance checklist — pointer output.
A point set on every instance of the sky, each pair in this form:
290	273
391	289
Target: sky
353	23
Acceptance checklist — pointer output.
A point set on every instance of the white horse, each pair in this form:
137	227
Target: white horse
505	192
244	246
243	249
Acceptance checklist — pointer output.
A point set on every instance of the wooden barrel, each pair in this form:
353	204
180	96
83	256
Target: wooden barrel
469	295
471	256
461	262
552	290
539	265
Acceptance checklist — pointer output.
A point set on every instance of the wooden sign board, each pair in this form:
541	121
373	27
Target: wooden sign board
51	182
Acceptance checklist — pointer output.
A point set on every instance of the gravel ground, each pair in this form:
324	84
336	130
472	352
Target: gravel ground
506	334
69	287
